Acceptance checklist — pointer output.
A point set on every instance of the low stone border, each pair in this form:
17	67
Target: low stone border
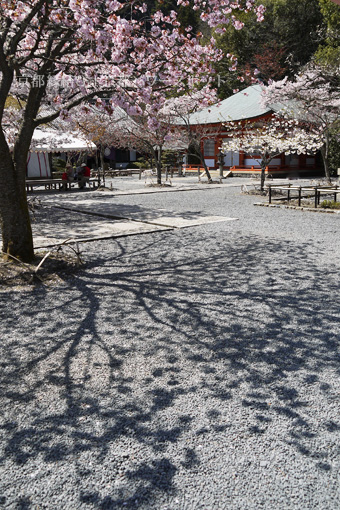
309	209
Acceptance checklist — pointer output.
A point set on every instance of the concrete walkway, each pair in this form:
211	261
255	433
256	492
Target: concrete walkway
95	215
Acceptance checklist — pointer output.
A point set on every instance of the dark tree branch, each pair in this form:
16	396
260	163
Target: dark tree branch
24	24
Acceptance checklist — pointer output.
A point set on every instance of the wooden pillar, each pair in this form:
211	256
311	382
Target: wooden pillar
283	159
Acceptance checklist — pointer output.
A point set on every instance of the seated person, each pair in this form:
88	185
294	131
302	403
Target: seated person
83	175
70	172
78	173
65	180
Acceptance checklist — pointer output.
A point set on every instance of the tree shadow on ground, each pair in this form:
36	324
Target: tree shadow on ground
110	376
101	206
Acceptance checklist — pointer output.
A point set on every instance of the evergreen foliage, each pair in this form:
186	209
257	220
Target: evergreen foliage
279	46
334	155
329	49
169	158
186	15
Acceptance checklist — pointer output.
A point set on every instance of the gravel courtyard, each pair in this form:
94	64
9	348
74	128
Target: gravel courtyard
187	369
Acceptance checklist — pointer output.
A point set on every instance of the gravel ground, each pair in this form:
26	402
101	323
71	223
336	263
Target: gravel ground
190	369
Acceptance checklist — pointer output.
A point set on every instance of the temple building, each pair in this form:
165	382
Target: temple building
245	106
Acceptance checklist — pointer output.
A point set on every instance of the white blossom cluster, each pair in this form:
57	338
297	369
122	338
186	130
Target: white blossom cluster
270	138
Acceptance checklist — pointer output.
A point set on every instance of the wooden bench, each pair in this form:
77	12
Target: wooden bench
193	168
253	168
46	183
122	172
50	184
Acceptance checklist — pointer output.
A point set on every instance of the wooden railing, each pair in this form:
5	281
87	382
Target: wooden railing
300	192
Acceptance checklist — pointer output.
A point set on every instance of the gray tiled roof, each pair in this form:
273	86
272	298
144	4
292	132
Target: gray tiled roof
242	105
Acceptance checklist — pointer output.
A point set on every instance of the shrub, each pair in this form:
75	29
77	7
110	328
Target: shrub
334	156
58	164
142	163
330	204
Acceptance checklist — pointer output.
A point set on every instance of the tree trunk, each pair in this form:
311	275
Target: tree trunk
206	170
158	159
102	164
204	164
263	173
159	172
17	239
15	221
325	158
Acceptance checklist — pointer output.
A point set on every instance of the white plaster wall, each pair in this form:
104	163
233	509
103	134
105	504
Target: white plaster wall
231	158
252	162
210	163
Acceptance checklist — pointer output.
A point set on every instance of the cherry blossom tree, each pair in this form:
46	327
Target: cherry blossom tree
99	126
149	132
57	54
152	127
314	99
193	134
169	126
270	138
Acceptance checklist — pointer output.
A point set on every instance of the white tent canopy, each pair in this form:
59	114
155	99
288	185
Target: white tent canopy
50	141
53	141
